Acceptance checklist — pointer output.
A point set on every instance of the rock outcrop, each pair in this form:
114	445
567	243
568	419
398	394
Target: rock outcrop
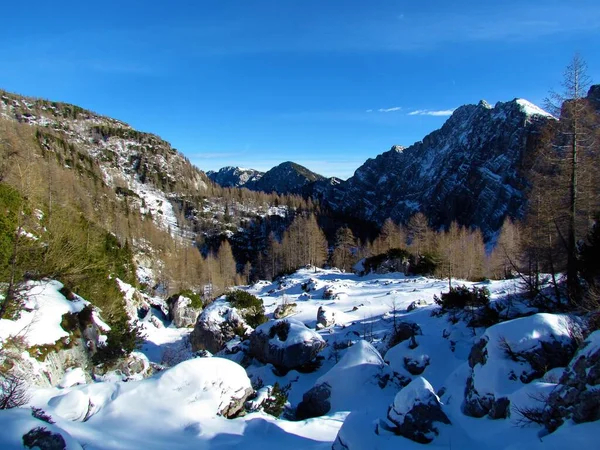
181	312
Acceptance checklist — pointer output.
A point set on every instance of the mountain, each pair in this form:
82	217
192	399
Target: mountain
472	170
235	176
286	178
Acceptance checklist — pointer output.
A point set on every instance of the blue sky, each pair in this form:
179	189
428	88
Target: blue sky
324	83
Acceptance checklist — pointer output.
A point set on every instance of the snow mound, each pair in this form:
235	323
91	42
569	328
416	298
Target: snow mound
361	379
197	388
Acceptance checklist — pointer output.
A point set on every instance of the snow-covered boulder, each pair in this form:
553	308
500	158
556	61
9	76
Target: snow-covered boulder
420	303
511	354
416	410
285	343
325	317
181	312
218	324
361	377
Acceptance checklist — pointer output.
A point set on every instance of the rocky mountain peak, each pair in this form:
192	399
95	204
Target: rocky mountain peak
465	171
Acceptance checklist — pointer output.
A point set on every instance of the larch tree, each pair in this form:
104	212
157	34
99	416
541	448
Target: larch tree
563	198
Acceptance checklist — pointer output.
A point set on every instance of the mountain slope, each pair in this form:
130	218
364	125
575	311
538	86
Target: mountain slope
471	170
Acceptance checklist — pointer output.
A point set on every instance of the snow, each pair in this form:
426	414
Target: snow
179	407
39	322
72	377
532	110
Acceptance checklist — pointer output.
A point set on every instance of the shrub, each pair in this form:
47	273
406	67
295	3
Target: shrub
396	256
461	297
425	264
250	307
123	338
40	414
281	329
275	403
40	437
195	298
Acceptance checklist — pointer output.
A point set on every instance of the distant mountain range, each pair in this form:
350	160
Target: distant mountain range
473	169
286	178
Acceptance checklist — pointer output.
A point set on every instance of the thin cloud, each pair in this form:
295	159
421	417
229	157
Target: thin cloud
392	109
428	112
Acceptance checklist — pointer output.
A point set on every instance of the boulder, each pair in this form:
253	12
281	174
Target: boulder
416	410
325	317
284	310
577	396
285	343
405	331
181	312
218	324
315	402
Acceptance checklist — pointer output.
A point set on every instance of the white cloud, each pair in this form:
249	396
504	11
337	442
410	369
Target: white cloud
428	112
392	109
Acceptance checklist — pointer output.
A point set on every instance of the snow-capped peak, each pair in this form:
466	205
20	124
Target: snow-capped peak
532	110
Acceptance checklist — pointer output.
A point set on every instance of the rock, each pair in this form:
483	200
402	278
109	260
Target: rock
474	404
478	353
217	325
417	304
285	343
237	404
134	366
284	310
404	331
416	410
500	409
315	402
325	317
181	311
416	366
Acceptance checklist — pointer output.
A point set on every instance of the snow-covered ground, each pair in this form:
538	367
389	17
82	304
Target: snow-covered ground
178	408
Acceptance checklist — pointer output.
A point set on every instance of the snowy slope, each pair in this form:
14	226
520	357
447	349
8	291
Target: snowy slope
179	407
